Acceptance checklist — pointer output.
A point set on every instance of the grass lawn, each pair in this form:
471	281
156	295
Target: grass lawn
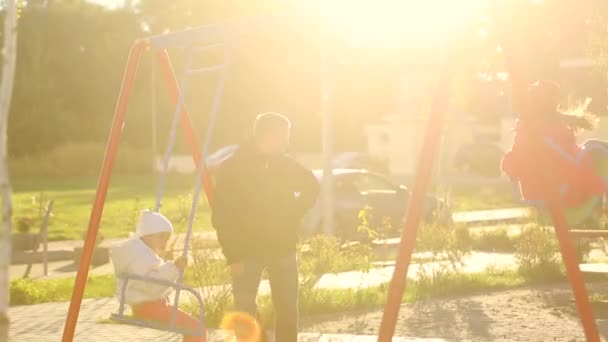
126	197
322	301
492	197
129	194
29	291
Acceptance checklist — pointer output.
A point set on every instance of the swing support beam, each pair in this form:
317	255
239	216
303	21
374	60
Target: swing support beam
113	143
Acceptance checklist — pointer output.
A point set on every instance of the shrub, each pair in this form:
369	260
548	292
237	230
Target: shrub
447	247
212	278
324	254
495	240
26	292
537	254
373	227
24	224
317	256
583	248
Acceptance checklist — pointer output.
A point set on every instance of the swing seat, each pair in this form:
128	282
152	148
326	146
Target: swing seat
121	318
575	215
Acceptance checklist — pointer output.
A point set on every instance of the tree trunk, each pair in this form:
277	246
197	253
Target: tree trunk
9	58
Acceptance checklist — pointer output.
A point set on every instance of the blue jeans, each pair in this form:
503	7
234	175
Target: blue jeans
283	278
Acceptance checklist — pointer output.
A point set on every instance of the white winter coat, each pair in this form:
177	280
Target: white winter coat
133	256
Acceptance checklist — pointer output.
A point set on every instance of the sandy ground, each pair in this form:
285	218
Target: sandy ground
529	314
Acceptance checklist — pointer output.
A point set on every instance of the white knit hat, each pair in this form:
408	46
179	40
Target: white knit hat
152	223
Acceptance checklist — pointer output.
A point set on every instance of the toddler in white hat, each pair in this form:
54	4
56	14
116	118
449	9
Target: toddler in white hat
140	255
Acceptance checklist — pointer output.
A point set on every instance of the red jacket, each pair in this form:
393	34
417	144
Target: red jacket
542	171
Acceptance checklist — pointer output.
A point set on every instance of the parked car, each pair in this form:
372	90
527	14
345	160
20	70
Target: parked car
347	160
215	159
360	160
355	189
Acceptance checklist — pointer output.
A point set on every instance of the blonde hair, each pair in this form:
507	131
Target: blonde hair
577	116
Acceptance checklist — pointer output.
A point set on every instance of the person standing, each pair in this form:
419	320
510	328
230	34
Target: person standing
261	195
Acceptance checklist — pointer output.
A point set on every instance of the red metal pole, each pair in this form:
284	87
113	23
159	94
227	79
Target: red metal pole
173	84
102	188
575	276
434	128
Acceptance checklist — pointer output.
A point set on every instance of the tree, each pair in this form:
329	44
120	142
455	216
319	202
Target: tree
598	43
70	67
9	61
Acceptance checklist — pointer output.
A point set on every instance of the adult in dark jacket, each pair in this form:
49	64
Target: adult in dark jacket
261	195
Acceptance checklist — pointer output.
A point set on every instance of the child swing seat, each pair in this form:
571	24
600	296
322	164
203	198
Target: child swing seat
121	318
575	215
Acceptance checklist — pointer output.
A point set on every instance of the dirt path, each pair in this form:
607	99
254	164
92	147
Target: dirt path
529	314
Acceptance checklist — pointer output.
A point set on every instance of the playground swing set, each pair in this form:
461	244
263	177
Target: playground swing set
222	37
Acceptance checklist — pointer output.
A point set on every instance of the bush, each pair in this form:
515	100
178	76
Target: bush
444	243
537	253
212	277
317	256
24	224
447	247
26	292
80	159
496	240
373	227
324	254
583	248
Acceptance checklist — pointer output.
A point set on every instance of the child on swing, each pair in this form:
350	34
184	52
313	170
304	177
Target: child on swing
139	255
536	164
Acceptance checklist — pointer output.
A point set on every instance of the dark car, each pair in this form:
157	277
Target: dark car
355	190
360	160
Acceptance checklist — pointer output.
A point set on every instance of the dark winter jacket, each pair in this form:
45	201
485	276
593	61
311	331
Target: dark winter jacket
259	203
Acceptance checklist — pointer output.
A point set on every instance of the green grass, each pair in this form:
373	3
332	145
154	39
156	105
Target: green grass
37	291
29	291
494	197
127	195
312	302
328	301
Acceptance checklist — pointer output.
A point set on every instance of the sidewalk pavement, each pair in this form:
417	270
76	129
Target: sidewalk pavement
476	217
207	236
44	323
474	262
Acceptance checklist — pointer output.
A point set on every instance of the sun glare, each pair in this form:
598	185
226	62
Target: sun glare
399	22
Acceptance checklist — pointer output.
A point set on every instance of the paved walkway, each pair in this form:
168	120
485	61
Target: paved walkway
207	236
474	262
44	323
493	216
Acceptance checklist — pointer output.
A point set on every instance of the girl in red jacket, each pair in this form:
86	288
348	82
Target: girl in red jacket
545	158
